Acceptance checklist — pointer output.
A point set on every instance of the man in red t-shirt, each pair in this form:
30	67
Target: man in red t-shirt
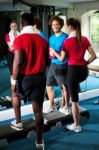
30	62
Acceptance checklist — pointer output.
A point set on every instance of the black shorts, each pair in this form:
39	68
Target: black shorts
57	75
75	75
32	86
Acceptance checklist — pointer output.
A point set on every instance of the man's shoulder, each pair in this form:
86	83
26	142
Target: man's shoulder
52	37
23	36
40	38
65	35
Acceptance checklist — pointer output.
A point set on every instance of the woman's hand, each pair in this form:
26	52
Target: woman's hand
11	49
51	52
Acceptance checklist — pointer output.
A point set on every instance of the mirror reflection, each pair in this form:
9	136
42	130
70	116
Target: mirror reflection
90	28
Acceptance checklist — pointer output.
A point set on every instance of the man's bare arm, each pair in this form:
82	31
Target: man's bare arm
17	64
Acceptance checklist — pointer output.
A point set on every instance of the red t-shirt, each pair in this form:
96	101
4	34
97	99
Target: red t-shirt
7	38
35	50
76	51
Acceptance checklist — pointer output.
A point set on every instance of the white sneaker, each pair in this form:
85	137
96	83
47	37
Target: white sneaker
16	126
49	109
40	146
3	98
64	110
9	98
74	128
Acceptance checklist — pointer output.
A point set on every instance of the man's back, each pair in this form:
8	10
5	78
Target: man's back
32	49
35	50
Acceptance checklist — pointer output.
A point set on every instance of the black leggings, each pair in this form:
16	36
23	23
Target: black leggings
75	75
10	58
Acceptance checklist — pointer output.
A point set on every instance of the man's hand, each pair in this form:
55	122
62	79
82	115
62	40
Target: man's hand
11	49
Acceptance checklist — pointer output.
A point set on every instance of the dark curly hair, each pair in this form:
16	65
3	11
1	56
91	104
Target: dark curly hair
38	23
58	19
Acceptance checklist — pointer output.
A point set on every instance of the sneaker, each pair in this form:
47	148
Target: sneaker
64	110
74	128
96	102
49	109
16	126
40	146
8	98
3	98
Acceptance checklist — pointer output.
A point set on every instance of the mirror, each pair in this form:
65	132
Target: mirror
90	28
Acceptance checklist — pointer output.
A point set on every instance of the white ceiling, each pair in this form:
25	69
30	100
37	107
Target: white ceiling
56	0
6	1
59	3
8	4
78	1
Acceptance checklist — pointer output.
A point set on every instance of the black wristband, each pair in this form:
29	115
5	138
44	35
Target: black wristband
87	63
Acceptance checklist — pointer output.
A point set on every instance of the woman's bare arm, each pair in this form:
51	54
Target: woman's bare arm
92	55
61	56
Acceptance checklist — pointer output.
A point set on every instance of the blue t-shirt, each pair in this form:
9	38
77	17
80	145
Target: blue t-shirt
42	34
56	42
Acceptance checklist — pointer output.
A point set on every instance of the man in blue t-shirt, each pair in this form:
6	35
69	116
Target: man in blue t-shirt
37	28
58	70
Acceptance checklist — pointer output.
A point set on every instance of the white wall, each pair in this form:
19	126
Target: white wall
83	12
82	8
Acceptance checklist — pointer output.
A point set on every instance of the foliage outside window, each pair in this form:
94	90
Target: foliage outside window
94	31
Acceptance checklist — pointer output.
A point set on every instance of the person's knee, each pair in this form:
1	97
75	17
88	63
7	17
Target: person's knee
64	87
16	101
37	107
74	103
49	88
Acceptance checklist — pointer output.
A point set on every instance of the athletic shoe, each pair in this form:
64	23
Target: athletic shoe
3	98
64	110
74	128
40	146
8	98
96	102
49	109
16	126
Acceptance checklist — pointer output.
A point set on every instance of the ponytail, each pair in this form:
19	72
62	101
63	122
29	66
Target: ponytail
78	31
75	23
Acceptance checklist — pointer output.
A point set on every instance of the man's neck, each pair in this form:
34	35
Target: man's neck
58	33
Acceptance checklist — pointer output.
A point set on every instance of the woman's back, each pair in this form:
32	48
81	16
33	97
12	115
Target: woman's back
76	50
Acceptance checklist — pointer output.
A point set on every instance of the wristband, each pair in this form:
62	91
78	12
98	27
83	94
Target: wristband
13	82
87	62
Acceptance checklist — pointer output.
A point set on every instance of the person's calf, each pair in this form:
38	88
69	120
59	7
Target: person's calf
39	126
